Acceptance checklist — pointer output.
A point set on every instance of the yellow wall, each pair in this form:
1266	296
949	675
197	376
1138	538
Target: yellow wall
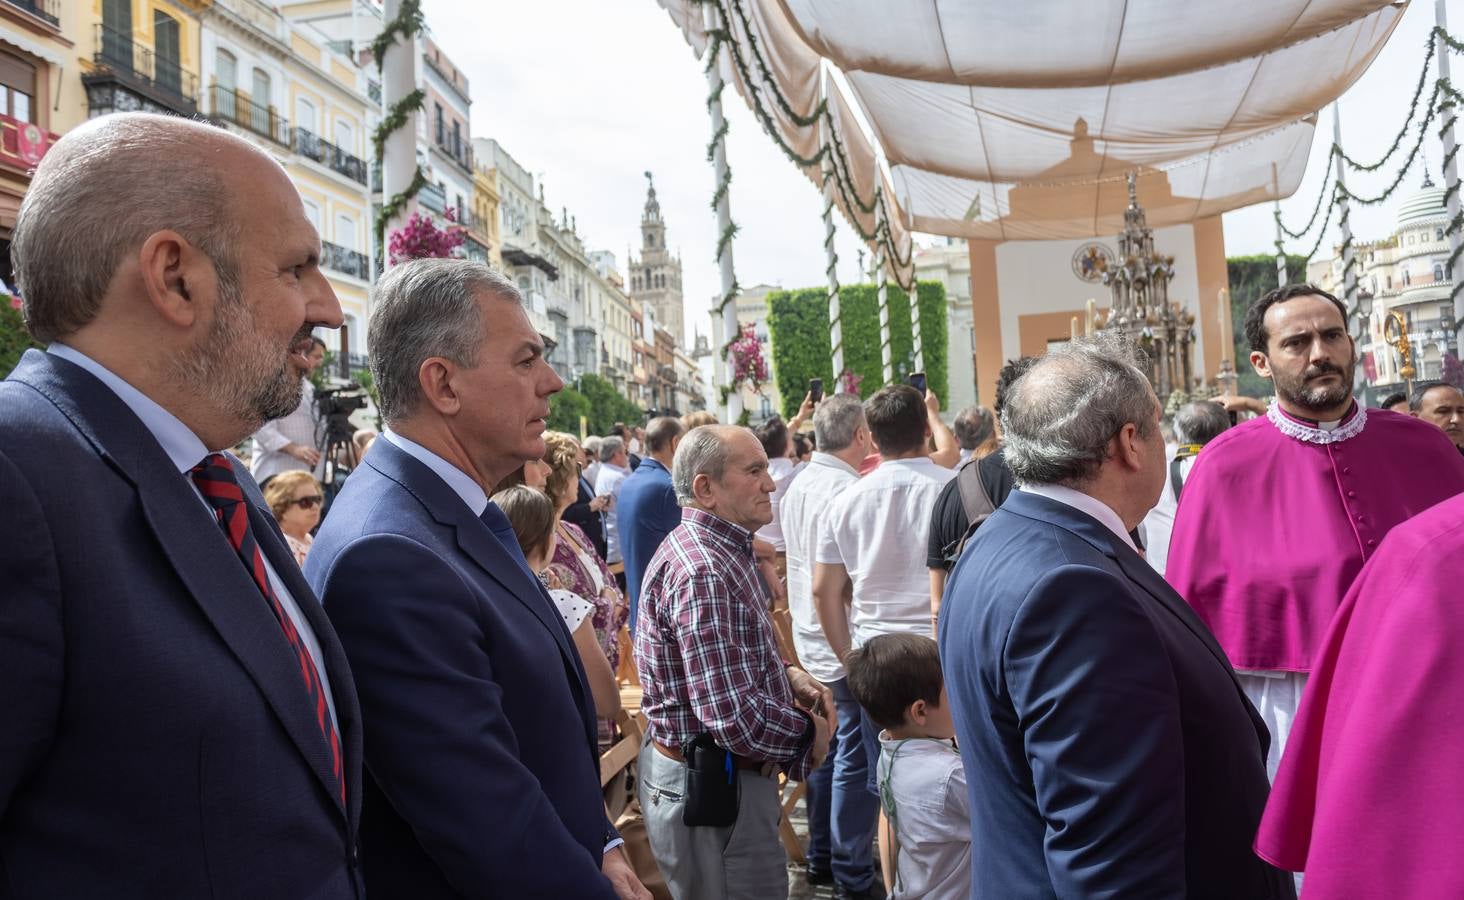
305	49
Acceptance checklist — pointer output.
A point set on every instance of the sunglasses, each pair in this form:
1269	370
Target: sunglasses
307	502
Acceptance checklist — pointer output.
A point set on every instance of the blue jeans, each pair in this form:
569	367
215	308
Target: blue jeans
818	801
853	809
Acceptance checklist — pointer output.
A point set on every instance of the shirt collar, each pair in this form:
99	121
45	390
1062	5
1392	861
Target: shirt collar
461	482
833	462
733	537
623	470
1083	503
1312	432
651	462
184	448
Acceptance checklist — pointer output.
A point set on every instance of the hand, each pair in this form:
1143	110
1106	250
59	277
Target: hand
810	693
777	594
307	455
823	728
599	503
932	404
616	868
1236	403
808	406
761	549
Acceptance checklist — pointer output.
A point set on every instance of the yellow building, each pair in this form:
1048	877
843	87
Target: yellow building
483	227
303	99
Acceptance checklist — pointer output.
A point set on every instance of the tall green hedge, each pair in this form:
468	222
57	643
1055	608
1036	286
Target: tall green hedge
798	322
14	339
1250	277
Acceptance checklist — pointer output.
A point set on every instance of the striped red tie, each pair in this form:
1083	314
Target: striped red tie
215	480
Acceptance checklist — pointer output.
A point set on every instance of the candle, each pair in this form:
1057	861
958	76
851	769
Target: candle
1092	306
1227	340
1075	328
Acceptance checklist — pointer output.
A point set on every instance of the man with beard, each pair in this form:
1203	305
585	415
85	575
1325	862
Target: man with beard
180	720
288	443
1281	512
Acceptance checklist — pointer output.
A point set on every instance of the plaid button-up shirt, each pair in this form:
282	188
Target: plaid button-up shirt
705	652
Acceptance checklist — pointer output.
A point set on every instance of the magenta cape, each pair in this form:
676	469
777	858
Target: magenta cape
1370	797
1271	529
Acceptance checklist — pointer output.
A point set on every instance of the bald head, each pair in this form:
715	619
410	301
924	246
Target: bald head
110	184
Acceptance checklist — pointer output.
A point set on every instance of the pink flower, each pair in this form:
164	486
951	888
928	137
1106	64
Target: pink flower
15	302
420	238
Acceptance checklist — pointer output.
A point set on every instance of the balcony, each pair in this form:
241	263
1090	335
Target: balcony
347	262
49	10
236	109
128	76
373	90
433	197
22	144
376	176
327	154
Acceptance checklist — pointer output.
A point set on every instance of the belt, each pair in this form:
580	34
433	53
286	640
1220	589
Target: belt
738	762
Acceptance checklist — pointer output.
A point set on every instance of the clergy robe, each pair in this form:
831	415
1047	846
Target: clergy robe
1275	521
1370	798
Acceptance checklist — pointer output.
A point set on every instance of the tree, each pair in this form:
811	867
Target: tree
14	339
597	400
1250	277
565	409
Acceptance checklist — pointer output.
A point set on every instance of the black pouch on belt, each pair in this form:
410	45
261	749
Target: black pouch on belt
711	784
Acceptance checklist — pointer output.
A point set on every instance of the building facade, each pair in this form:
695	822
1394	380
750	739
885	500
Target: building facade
1405	272
304	100
614	307
655	277
949	262
483	230
752	308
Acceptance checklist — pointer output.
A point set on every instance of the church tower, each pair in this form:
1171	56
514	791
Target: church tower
655	278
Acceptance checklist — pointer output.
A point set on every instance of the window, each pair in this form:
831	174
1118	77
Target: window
1438	232
1406	280
345	136
345	231
457	140
1438	272
438	125
261	116
166	51
17	88
117	32
305	115
1390	282
312	212
1410	240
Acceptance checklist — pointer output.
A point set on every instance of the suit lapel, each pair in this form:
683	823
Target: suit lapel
192	541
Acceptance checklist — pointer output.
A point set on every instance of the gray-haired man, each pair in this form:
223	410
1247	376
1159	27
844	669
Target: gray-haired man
1093	706
713	679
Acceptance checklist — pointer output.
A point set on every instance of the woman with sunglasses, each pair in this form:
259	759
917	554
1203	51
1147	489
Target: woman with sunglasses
294	497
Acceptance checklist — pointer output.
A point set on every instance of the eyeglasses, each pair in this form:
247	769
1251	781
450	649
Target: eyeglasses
307	502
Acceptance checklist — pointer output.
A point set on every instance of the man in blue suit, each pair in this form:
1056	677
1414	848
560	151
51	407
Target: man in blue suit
483	774
1110	751
647	504
178	717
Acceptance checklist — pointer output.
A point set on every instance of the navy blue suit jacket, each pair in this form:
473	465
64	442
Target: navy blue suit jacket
157	740
648	512
1109	749
483	773
589	521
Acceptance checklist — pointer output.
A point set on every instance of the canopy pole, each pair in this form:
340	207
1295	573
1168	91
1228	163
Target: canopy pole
1349	271
886	359
399	152
831	259
1451	171
730	328
1281	278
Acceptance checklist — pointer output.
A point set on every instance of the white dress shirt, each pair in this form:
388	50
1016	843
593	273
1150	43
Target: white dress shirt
782	470
186	450
877	531
608	483
1085	504
805	514
299	427
932	820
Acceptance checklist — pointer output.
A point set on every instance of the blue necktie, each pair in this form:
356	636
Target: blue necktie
498	523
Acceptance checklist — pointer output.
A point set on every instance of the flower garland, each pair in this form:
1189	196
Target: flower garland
749	364
409	22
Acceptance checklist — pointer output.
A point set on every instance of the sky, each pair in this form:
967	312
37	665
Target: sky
588	95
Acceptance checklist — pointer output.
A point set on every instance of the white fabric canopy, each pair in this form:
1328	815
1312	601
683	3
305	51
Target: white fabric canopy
1015	121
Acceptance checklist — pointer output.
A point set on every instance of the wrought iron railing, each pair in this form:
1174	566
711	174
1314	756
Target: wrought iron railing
117	53
50	10
345	261
230	106
324	152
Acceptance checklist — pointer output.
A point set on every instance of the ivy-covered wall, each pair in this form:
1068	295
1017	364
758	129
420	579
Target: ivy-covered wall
1250	277
798	322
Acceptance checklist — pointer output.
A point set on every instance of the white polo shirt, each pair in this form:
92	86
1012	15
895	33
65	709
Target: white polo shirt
878	530
805	513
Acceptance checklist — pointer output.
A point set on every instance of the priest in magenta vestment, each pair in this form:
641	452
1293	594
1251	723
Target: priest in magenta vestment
1280	513
1370	797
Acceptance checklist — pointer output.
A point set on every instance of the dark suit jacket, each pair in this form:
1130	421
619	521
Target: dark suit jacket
1109	749
648	511
483	774
589	521
157	740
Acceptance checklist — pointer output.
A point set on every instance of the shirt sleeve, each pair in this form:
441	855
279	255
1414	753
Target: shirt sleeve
726	679
270	438
947	525
826	547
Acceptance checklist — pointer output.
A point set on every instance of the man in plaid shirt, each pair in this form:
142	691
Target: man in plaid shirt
708	664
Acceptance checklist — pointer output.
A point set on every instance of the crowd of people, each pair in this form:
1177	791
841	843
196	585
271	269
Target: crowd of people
1072	647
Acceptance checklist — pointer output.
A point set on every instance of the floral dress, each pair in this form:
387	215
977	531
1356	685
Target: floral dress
577	567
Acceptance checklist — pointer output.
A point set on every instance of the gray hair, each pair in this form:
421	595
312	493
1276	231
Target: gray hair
974	426
1060	416
421	309
98	195
703	451
836	420
1200	422
592	447
610	447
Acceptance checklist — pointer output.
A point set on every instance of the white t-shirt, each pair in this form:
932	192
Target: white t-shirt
572	607
805	514
608	482
932	819
877	531
783	470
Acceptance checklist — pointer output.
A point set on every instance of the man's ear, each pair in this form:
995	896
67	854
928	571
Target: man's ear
177	277
1261	363
435	378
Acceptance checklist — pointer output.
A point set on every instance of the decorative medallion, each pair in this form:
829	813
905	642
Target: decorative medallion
1091	260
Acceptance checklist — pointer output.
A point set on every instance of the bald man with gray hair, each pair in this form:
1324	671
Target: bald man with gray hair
718	699
1092	704
180	719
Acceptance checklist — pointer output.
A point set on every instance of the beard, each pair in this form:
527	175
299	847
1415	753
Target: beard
1316	398
238	370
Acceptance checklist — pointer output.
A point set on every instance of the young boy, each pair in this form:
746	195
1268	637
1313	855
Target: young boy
922	785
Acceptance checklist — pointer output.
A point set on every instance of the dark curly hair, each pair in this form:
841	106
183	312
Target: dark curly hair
1255	317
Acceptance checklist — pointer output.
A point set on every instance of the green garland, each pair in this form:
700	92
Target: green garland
398	202
408	22
395	118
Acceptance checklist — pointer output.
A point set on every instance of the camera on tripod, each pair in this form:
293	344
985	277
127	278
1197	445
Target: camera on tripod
333	407
340	401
